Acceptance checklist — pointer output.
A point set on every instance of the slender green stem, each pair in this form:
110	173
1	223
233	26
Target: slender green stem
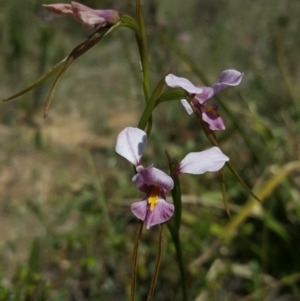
142	43
176	242
174	228
146	116
223	187
287	80
182	269
157	263
143	50
134	259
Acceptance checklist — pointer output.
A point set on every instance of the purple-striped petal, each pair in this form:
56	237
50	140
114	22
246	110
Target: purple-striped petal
139	209
203	97
151	176
162	212
174	81
213	119
130	144
200	162
227	78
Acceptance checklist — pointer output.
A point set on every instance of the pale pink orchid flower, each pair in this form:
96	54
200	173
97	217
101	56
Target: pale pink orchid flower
153	208
200	99
92	18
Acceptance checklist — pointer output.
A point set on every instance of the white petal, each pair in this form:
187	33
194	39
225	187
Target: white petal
187	106
198	163
174	81
130	144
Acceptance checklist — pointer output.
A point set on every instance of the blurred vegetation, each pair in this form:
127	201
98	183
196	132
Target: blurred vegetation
66	229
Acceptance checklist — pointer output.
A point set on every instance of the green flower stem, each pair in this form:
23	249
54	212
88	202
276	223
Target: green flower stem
134	260
176	195
157	263
224	195
143	50
146	116
142	44
177	244
174	230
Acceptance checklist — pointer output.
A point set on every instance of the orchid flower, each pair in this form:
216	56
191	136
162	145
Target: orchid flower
153	208
88	17
200	99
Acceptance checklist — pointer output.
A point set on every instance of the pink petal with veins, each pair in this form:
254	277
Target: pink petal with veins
151	176
162	212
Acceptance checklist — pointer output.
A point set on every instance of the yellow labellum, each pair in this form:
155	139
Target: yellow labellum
153	197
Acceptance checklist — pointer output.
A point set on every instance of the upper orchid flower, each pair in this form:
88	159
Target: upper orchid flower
154	209
88	17
210	114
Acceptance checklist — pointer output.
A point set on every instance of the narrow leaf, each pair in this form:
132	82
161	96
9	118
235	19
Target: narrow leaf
39	81
222	178
265	190
77	52
146	116
129	22
174	94
241	181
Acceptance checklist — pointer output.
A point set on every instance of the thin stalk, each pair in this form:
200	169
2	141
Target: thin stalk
213	139
142	43
287	81
143	51
176	242
223	187
157	263
134	259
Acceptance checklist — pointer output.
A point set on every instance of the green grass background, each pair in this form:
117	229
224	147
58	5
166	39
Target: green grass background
66	229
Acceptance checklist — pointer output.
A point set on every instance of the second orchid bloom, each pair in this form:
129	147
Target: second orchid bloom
201	95
153	208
